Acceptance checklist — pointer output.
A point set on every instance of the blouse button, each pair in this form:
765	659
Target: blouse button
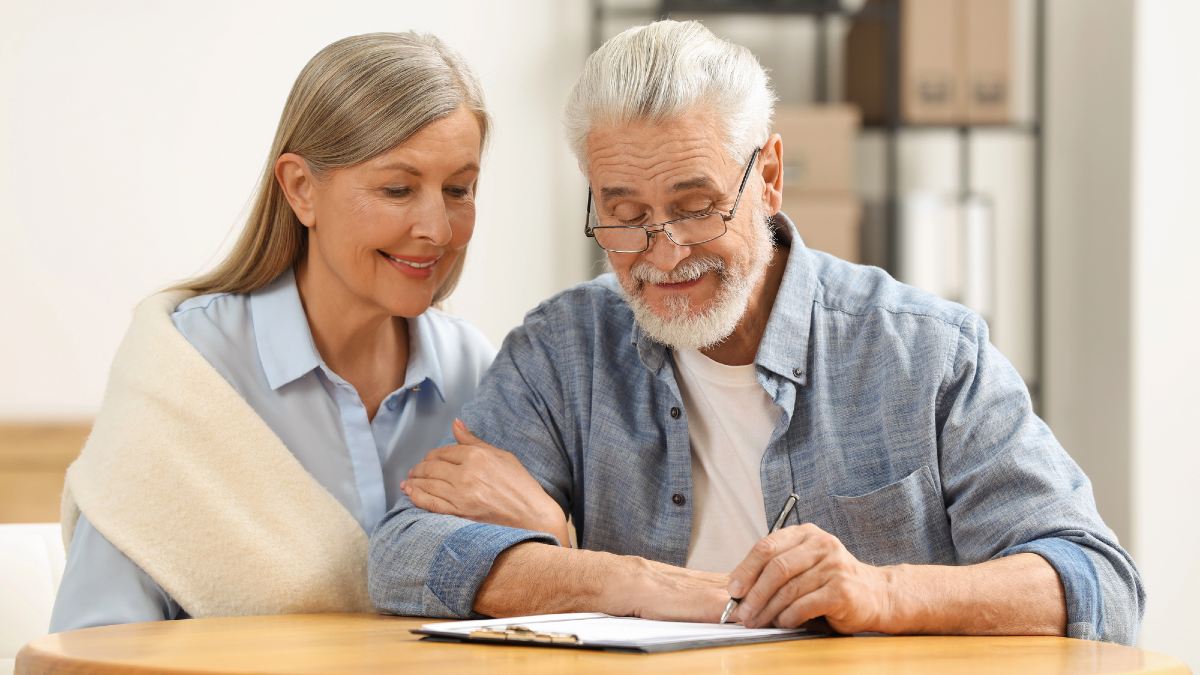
798	372
675	413
678	499
392	404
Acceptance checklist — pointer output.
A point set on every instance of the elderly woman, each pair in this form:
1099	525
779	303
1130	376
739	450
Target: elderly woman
260	419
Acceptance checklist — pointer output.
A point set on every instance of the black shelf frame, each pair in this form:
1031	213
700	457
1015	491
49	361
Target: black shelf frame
820	11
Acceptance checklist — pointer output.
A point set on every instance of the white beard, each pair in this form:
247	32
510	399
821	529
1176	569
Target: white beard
686	328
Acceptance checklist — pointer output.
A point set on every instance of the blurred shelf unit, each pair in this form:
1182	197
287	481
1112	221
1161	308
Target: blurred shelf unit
913	138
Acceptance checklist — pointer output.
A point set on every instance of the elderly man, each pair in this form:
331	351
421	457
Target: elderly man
672	407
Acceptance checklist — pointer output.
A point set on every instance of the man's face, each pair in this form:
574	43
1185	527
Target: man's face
683	296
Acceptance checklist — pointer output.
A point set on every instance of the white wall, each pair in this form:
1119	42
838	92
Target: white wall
1166	321
1089	179
132	134
1123	370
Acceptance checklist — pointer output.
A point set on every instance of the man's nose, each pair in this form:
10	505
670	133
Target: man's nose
664	253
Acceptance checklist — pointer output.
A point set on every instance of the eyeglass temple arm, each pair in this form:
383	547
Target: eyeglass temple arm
587	217
741	188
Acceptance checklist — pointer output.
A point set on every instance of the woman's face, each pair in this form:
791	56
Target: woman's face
386	233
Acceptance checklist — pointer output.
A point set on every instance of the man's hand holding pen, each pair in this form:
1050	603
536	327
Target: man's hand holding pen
799	573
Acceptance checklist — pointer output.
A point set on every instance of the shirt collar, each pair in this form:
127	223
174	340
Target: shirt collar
287	351
423	361
285	344
785	342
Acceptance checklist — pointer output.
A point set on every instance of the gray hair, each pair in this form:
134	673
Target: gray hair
663	70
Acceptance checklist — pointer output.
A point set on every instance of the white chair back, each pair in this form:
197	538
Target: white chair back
31	566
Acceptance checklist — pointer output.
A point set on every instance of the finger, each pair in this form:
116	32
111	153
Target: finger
466	454
751	612
436	469
451	454
430	502
772	585
744	576
819	602
438	488
463	435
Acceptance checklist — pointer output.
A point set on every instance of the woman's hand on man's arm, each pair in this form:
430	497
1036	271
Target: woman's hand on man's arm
481	482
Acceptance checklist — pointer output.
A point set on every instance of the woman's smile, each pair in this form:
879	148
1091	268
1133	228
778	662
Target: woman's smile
417	268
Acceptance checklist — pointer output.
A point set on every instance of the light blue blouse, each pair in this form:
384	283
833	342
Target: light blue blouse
261	343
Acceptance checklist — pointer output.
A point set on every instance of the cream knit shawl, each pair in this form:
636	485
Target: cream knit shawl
185	479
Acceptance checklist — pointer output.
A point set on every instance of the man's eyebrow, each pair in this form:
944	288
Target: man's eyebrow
611	192
692	184
683	185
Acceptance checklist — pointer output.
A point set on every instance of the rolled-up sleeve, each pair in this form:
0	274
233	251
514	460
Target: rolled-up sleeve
1011	488
1081	585
427	564
430	564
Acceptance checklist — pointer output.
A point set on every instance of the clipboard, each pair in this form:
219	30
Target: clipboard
605	632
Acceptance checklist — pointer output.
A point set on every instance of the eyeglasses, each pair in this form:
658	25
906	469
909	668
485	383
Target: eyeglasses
690	230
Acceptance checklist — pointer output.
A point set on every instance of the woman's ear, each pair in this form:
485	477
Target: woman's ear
298	183
770	160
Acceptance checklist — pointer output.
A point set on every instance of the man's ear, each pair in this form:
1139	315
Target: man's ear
298	183
770	162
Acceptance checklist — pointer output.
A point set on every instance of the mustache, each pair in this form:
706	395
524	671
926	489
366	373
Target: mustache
689	270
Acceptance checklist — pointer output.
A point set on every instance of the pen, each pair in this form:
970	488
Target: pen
783	514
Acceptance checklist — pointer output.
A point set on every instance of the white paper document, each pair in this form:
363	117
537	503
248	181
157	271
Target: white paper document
601	631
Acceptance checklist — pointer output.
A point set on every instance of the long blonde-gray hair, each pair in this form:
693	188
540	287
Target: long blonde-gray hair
356	99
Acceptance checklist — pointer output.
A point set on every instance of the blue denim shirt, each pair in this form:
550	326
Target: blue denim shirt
903	430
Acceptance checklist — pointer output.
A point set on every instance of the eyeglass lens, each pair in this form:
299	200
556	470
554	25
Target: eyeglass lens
684	233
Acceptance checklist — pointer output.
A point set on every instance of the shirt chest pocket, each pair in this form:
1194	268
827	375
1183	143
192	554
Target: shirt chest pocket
903	522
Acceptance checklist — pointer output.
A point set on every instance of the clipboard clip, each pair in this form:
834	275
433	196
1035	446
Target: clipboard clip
524	634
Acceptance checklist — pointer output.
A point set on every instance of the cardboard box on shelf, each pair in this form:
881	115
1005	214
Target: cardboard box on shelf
954	66
988	46
931	90
865	67
818	148
831	224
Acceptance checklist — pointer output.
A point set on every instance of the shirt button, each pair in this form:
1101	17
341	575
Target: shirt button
798	372
678	499
392	404
675	413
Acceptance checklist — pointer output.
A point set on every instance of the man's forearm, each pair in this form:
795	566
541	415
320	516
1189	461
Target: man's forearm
542	579
534	578
1016	595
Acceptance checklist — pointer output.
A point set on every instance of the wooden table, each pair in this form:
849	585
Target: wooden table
361	643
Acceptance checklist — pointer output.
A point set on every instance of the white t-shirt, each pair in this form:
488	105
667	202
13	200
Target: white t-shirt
730	421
